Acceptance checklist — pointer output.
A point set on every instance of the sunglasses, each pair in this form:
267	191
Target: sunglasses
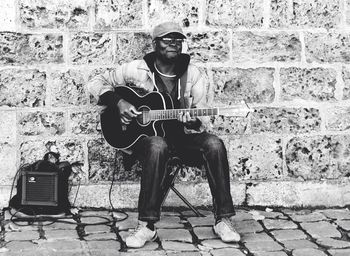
169	40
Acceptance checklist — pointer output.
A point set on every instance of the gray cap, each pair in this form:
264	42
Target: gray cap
167	28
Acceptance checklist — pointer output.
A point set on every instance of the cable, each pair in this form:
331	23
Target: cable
110	193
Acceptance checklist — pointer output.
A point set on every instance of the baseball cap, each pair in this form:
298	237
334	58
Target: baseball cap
166	28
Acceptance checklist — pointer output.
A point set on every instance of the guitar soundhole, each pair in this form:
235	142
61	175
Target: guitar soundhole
144	118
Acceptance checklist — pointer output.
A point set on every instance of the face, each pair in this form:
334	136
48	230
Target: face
169	47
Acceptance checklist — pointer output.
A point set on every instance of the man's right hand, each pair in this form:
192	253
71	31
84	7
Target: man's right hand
127	111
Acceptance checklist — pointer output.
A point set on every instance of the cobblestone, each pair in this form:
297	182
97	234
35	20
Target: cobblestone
292	234
295	244
315	216
321	229
308	252
285	232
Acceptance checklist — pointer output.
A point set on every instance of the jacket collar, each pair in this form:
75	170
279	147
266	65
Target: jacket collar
180	66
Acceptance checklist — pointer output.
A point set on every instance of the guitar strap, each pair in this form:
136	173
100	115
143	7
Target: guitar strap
183	82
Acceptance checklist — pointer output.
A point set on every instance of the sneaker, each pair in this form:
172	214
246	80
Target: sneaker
225	230
140	236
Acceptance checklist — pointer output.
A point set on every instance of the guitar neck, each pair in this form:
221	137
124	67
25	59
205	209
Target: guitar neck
168	114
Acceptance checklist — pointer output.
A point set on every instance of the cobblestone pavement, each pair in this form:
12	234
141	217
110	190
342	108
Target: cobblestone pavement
265	232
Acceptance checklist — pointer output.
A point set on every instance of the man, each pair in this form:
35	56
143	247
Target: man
169	72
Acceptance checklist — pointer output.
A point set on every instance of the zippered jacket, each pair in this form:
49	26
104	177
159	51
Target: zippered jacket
141	74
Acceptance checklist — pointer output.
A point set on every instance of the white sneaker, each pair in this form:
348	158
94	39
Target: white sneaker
140	236
225	230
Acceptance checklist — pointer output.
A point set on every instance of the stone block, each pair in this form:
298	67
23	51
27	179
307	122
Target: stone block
130	46
22	88
41	123
298	194
346	79
178	246
279	224
70	244
337	214
122	195
216	244
316	13
5	191
54	235
337	118
248	226
274	193
308	251
307	217
204	233
68	88
103	245
310	84
339	252
21	246
8	162
251	85
296	244
101	237
225	125
333	243
327	47
258	47
170	222
347	4
280	14
184	12
253	237
118	14
263	246
85	122
209	46
321	229
70	150
285	120
227	251
248	14
37	14
255	157
22	236
318	157
8	127
90	48
25	49
105	160
7	15
182	235
276	253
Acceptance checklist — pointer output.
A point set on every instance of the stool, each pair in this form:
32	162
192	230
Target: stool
169	183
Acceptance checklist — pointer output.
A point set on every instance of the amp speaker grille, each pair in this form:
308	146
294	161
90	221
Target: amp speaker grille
39	188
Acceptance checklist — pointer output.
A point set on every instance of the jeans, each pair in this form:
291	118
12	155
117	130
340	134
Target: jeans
153	153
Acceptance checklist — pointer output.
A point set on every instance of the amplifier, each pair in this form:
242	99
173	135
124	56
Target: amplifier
40	188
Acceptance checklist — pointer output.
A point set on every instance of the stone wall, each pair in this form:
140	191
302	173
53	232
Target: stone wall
289	60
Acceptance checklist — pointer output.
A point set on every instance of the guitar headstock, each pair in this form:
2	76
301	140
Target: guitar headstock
238	110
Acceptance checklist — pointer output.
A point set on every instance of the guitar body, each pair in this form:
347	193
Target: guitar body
124	137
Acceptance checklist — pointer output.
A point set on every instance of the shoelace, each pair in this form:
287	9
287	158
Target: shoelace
137	229
229	223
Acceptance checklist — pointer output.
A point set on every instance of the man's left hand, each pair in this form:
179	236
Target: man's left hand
186	119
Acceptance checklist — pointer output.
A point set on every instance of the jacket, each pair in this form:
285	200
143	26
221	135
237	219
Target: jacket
139	73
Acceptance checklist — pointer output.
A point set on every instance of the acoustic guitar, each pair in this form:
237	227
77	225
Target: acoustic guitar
156	108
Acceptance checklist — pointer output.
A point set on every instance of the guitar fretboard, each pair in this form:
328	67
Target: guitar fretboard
174	113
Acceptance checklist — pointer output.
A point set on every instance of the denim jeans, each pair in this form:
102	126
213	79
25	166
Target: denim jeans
153	153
